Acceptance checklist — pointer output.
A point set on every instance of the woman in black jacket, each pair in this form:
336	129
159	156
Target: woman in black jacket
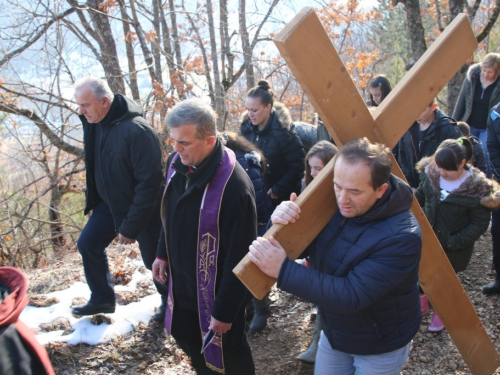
267	125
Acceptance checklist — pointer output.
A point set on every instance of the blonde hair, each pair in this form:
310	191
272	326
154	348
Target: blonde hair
492	60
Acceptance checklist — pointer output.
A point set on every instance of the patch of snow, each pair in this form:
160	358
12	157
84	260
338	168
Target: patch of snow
125	317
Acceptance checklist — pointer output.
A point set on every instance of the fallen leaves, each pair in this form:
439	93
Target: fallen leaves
42	301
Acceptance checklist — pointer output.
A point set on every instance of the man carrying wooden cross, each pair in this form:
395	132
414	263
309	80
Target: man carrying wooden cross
364	266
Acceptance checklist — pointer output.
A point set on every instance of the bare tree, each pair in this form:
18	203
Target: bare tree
157	51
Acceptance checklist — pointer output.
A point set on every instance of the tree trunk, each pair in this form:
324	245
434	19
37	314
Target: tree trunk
130	58
175	35
416	29
205	59
167	47
155	45
143	43
455	83
220	101
225	42
454	86
177	45
107	44
56	225
247	50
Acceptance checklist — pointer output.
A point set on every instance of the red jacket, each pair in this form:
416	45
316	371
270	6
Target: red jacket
12	350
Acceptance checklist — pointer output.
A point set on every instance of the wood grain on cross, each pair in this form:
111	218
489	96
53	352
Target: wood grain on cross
311	56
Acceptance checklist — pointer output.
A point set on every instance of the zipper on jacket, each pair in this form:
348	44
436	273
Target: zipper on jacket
323	256
104	181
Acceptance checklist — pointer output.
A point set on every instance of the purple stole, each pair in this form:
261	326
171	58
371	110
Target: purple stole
207	252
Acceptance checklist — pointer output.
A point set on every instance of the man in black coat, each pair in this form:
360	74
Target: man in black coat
123	162
209	220
423	138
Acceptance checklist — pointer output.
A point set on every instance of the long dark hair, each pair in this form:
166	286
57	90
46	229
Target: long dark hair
380	80
324	151
451	152
235	142
262	91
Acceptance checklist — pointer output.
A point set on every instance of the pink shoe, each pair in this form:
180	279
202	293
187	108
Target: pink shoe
436	324
424	304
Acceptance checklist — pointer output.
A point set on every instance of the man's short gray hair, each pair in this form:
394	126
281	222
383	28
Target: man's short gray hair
193	112
98	86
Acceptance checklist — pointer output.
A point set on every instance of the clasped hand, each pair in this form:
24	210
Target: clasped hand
269	255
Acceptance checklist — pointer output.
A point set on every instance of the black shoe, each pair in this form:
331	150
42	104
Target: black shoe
259	321
94	308
159	316
492	288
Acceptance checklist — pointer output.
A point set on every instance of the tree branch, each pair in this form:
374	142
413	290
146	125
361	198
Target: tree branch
439	20
473	10
268	14
44	128
30	42
489	25
36	99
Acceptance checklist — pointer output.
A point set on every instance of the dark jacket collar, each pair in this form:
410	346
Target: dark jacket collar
204	172
122	108
266	129
440	120
280	115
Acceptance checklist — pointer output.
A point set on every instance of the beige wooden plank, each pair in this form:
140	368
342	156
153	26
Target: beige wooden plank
310	54
415	91
295	237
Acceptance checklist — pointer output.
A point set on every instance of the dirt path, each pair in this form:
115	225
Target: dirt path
148	351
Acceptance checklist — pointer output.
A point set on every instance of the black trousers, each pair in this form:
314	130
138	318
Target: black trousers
96	236
237	355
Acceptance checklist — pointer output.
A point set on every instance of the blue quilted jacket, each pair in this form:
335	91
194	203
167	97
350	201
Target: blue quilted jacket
364	276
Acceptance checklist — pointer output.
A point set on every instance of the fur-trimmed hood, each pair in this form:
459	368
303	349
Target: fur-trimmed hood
473	71
282	112
476	186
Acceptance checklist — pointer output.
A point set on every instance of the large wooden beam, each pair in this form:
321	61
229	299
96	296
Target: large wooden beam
344	113
310	54
425	80
295	237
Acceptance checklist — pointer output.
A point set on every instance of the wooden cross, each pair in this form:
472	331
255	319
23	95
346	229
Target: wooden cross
311	56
